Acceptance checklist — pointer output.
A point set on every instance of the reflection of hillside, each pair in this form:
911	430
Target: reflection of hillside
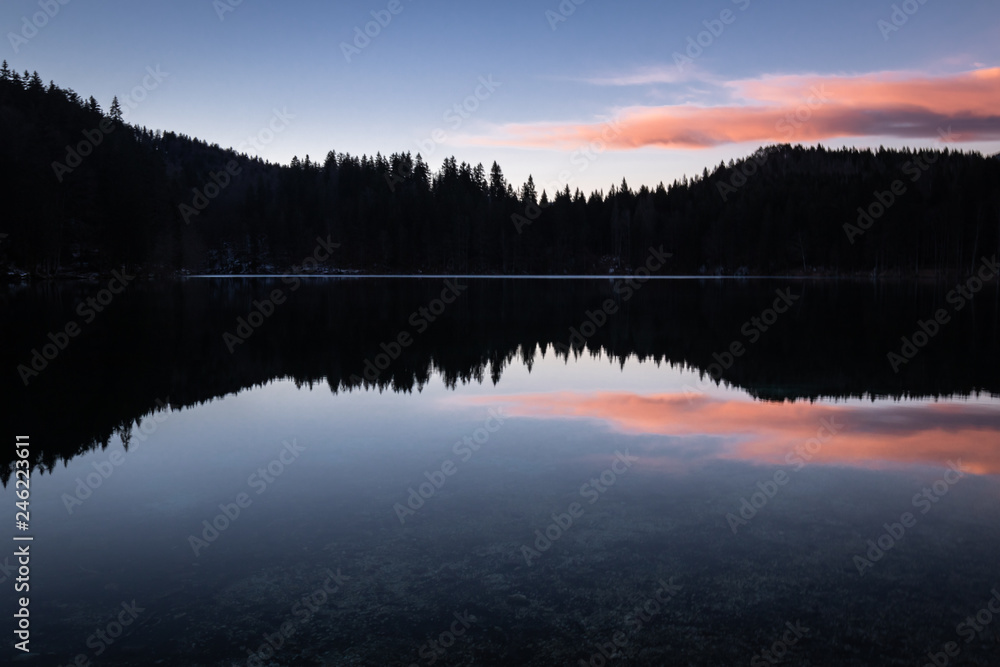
165	342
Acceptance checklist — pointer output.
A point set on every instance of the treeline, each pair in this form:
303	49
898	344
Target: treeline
86	191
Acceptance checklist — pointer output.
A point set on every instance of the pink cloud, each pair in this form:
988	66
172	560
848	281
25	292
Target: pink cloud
800	108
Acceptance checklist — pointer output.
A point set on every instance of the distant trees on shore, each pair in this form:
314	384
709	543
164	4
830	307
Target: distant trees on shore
86	191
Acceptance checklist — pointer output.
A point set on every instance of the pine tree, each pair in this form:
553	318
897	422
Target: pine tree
498	185
479	178
529	195
116	110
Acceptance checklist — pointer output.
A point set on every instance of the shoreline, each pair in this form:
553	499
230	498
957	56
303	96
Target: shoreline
24	278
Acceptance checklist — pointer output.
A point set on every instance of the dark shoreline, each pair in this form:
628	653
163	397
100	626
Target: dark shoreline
18	277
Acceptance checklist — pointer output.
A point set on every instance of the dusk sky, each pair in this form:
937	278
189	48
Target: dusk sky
549	80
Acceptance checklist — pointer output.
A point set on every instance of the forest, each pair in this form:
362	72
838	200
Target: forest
87	192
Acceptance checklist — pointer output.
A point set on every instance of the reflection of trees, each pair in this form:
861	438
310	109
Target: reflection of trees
164	343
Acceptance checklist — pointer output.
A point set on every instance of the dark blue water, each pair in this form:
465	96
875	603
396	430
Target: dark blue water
513	507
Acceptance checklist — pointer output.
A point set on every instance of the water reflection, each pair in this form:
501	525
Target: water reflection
166	345
871	435
616	472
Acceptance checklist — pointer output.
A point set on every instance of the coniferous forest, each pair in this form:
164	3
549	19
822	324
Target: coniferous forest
87	192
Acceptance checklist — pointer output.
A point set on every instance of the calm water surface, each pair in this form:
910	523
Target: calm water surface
542	473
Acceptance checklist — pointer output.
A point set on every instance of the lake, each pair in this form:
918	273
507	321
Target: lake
471	471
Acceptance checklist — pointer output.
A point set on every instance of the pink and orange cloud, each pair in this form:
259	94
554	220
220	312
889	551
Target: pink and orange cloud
865	436
799	108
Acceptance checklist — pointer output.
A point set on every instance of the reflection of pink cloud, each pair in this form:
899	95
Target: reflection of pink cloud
882	104
768	432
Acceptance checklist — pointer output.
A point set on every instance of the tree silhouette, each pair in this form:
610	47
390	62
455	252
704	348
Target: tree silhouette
797	211
115	112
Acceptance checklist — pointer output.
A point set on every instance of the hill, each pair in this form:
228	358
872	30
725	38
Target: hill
86	192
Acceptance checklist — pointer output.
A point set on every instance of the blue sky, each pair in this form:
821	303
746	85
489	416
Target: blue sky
554	82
